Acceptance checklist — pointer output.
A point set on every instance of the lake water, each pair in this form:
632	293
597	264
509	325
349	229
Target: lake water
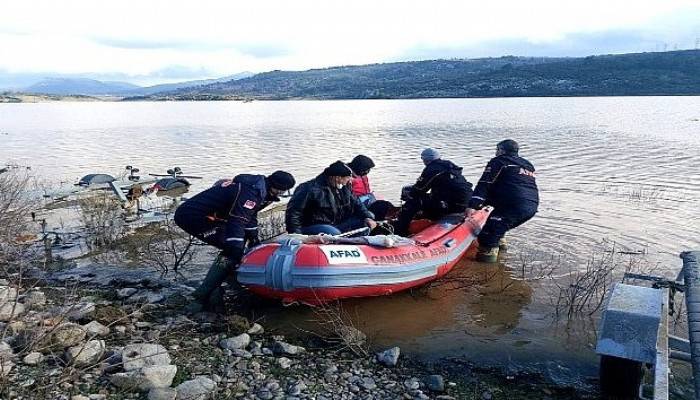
618	173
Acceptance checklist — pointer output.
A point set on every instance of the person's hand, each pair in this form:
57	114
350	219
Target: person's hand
470	212
371	223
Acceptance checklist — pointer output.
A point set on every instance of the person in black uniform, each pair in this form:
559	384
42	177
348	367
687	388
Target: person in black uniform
225	216
440	190
508	184
326	204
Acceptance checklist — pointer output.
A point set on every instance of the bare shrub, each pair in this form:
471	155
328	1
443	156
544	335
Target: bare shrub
535	265
165	246
337	327
103	217
17	202
271	222
583	291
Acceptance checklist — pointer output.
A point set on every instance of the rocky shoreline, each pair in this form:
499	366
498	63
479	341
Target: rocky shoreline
78	335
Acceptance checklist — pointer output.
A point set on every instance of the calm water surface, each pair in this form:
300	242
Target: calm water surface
614	172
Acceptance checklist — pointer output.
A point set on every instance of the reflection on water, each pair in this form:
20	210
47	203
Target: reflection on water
611	170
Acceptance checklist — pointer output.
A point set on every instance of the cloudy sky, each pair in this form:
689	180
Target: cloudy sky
149	41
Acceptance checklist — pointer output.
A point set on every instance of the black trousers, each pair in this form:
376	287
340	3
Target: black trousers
432	209
503	219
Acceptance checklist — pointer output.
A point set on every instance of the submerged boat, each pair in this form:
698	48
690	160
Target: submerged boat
295	269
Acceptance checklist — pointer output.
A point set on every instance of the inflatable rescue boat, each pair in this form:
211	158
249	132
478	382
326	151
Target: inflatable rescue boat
317	269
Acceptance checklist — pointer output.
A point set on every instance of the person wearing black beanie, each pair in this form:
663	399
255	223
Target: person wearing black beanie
361	165
226	216
509	185
326	204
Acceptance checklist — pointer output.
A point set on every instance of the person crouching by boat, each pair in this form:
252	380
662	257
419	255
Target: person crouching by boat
361	165
509	185
326	204
440	190
226	217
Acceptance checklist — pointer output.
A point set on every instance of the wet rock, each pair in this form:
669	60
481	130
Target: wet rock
241	353
77	312
164	393
195	389
8	294
55	339
412	384
5	351
368	384
236	342
146	296
435	383
33	358
88	354
389	357
486	395
296	388
79	397
126	292
286	348
284	362
135	356
256	329
95	328
112	362
10	310
146	378
5	367
351	336
35	298
264	394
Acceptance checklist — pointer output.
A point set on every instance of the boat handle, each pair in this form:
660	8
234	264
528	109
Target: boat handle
449	243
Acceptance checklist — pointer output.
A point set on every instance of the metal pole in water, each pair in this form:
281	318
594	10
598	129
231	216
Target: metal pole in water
691	274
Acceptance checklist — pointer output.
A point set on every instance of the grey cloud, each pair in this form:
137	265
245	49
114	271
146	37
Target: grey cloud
263	50
145	44
679	30
257	50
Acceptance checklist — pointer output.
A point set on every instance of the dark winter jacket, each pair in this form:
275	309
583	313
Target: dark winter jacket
317	202
234	203
507	181
445	182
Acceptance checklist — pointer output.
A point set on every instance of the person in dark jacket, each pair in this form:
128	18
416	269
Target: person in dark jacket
326	204
225	216
508	184
440	190
361	165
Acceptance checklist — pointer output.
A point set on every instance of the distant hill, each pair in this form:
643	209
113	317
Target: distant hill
141	91
77	86
667	73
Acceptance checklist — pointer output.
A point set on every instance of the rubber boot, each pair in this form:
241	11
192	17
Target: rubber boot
215	277
215	302
502	244
487	254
